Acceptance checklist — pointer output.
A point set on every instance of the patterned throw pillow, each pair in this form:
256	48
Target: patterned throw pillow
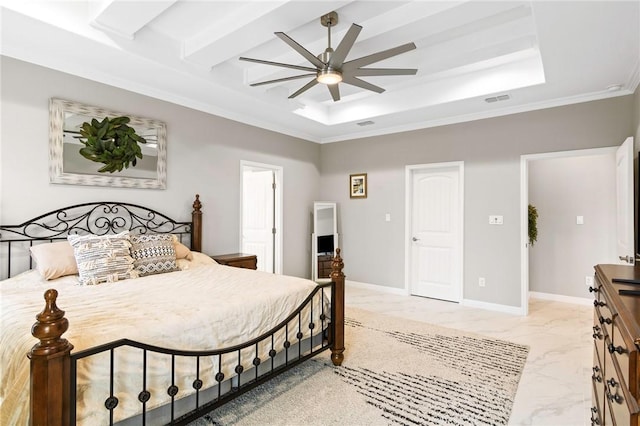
104	258
153	254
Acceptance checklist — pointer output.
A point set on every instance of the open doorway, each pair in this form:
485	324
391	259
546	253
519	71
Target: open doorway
574	193
261	214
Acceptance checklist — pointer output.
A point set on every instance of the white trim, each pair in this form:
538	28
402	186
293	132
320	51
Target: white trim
560	298
378	288
279	172
481	115
408	209
507	309
524	209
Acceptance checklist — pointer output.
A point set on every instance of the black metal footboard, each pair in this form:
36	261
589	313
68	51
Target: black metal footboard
217	376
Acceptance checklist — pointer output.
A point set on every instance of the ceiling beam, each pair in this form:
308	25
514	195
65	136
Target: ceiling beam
125	18
249	26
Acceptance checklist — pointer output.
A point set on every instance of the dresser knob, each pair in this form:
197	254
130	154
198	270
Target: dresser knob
613	349
596	369
597	303
595	421
614	397
603	320
596	378
612	382
593	289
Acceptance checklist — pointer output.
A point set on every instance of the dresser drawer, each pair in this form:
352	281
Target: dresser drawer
597	394
622	405
604	317
596	418
624	351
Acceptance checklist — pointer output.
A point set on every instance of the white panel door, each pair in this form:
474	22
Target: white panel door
436	229
258	215
625	247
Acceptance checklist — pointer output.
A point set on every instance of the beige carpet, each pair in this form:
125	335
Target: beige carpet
395	372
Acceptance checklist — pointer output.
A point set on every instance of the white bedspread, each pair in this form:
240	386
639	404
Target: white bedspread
201	308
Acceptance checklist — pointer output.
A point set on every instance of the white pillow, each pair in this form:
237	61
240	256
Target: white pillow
104	258
54	260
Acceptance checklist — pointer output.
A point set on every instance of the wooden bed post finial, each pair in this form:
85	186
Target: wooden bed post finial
337	305
196	228
50	366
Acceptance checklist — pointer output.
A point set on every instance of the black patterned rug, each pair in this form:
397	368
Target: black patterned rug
395	372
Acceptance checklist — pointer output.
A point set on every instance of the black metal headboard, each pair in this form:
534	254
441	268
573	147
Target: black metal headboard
99	218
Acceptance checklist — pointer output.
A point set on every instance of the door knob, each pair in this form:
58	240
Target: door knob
415	239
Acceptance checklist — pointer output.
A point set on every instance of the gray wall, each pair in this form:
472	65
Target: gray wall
204	153
565	252
491	150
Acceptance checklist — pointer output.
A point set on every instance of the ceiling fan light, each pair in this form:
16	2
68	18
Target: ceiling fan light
329	77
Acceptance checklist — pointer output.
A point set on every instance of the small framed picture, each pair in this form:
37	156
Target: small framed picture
358	185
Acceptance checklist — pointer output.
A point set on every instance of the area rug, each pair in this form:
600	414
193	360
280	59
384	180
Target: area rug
396	372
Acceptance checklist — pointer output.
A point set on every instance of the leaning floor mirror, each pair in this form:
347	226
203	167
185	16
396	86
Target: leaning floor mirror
324	239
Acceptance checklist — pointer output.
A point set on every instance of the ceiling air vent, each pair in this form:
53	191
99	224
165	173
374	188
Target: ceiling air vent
366	123
497	98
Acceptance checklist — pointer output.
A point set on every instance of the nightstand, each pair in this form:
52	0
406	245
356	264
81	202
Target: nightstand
238	260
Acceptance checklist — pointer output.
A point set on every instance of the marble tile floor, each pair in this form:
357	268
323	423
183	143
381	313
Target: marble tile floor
555	387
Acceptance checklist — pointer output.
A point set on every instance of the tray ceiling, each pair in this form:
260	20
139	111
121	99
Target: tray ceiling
475	59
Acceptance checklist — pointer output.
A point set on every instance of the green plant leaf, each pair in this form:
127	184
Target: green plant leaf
111	142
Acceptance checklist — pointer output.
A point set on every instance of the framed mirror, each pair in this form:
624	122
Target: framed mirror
324	239
68	166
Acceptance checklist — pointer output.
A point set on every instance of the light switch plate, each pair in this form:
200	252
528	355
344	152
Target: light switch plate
495	220
579	220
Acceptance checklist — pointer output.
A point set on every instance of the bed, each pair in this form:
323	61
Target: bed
163	348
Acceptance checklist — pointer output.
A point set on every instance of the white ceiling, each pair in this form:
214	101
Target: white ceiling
540	54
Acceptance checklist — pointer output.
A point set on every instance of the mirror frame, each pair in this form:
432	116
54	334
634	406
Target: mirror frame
57	110
314	237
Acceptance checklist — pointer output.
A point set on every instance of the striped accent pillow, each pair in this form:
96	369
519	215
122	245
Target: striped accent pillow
153	254
103	258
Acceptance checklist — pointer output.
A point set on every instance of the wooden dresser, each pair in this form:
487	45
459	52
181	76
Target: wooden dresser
238	260
616	337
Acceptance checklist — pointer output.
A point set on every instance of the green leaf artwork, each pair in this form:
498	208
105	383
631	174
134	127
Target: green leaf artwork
111	142
533	225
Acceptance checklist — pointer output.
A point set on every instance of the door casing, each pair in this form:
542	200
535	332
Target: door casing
524	212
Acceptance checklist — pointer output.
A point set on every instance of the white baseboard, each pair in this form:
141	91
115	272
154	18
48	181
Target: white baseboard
560	298
374	287
514	310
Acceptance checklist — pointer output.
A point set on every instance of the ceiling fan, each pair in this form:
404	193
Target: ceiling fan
330	66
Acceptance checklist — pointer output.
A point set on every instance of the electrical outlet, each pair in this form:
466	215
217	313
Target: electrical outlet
588	280
481	282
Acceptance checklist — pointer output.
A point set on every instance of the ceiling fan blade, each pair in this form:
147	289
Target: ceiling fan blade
335	92
301	50
279	80
341	52
304	88
370	59
277	64
354	81
363	72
